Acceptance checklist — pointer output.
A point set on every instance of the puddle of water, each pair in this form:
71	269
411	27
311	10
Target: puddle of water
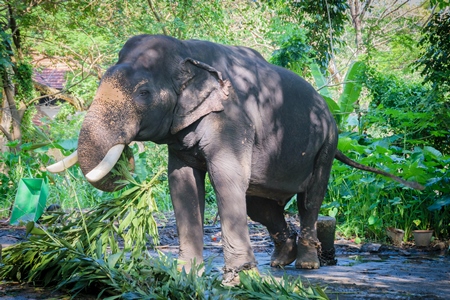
360	259
353	260
426	259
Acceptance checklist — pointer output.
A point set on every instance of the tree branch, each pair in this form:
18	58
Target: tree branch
394	19
6	133
157	17
51	92
364	10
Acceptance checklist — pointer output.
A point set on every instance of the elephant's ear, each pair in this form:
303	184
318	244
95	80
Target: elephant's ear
202	92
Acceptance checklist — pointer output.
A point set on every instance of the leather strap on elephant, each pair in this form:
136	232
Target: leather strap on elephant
229	274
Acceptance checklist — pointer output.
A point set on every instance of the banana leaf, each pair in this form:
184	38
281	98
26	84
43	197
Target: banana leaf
352	89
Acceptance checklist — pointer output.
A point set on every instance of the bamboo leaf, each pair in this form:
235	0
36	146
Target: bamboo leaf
113	259
126	222
29	227
130	191
99	248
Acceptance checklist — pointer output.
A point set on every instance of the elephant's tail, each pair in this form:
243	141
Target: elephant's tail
346	160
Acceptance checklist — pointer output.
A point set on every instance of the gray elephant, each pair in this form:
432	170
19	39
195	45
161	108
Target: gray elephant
261	132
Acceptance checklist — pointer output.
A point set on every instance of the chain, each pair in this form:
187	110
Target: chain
328	257
231	273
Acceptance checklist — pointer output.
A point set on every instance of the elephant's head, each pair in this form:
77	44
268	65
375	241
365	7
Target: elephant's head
154	91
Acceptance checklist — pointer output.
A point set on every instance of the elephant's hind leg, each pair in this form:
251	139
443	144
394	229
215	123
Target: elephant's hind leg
309	203
270	214
308	244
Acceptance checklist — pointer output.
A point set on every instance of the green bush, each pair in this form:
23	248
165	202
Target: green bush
404	108
365	204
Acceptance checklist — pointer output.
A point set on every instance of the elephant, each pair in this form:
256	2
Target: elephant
262	133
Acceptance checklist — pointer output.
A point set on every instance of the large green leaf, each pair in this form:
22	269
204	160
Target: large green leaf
321	83
440	203
346	144
334	108
320	80
352	88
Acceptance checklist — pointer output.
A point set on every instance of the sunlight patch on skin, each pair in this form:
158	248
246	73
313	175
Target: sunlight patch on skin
139	84
111	93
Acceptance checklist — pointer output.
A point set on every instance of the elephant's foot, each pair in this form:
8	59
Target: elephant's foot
285	252
231	275
307	254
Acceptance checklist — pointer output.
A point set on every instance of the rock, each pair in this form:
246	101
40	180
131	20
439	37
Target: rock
371	247
404	252
439	246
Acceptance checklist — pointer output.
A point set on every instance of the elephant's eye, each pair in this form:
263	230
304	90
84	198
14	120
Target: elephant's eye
143	93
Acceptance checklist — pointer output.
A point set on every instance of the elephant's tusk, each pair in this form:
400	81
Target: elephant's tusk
64	164
106	164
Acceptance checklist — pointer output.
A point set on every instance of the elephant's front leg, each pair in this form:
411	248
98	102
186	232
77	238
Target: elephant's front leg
230	184
187	190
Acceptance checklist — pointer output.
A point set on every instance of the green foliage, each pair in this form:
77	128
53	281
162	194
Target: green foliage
322	88
127	218
435	58
15	166
324	21
29	162
350	94
5	51
365	204
320	23
352	89
23	81
55	137
294	52
404	108
48	259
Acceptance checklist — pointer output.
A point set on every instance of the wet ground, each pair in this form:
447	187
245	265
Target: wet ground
383	275
369	271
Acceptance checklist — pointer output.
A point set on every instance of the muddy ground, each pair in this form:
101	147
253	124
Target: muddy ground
367	271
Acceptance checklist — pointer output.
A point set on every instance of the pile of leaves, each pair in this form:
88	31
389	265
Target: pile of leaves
105	251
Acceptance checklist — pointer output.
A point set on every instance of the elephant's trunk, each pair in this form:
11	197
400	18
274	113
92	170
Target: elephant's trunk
99	149
111	123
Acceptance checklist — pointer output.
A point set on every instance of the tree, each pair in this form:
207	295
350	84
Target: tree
321	21
12	71
25	33
435	56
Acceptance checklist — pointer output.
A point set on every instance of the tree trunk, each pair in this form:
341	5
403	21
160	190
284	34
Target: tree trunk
5	125
335	75
355	11
16	117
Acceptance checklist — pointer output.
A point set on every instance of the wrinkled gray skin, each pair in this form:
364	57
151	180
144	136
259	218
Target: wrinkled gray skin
261	132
